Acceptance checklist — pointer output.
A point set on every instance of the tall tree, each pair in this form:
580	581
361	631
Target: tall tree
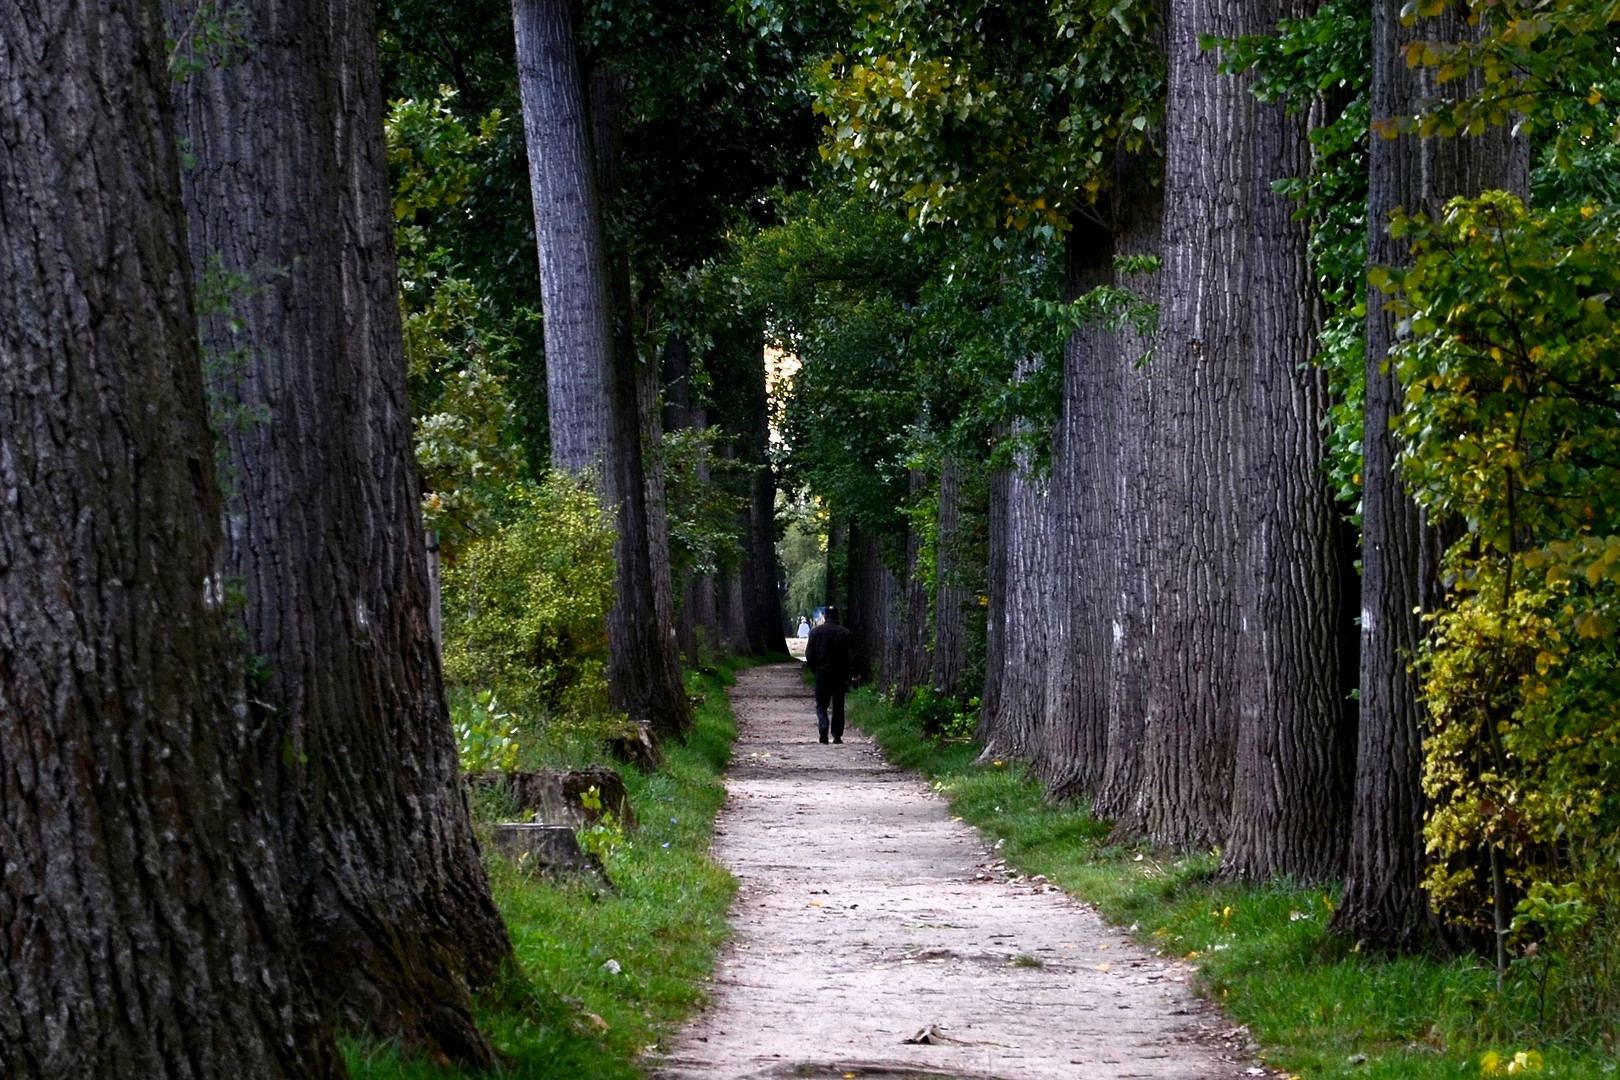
698	620
590	381
1291	795
1080	576
952	571
1384	903
912	667
1138	206
1015	728
1197	458
995	628
143	926
291	221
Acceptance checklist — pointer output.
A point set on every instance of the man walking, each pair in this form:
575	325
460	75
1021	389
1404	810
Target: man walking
827	653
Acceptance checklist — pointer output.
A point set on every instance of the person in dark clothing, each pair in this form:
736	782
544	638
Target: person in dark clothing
828	655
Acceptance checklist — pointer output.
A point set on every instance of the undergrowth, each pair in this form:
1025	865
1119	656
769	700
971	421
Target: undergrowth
1317	1007
566	1012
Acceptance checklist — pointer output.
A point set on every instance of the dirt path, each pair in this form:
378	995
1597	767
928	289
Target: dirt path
868	914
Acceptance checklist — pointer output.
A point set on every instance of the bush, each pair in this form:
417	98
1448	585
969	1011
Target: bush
1511	388
939	716
525	614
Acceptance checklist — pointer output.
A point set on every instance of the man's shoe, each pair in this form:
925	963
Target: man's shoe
840	741
824	738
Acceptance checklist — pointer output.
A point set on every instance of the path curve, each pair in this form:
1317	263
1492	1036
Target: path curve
866	913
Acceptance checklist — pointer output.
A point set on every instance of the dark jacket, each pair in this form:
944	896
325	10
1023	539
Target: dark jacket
827	651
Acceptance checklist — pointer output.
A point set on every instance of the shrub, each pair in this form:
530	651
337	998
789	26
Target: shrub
1511	393
939	716
525	609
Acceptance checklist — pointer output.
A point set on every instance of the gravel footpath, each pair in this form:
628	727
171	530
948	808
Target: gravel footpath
868	917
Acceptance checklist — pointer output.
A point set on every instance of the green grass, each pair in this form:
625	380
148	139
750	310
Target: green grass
1263	951
565	1015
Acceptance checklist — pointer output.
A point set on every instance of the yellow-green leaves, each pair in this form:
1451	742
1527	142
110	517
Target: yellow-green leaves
994	117
525	608
1511	372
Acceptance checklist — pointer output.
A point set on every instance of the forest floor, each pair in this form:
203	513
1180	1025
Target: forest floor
868	915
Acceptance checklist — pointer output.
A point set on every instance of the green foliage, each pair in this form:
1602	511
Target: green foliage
525	609
564	1013
469	439
214	31
1512	386
803	552
700	501
992	116
1262	950
226	371
941	717
908	343
1547	67
488	737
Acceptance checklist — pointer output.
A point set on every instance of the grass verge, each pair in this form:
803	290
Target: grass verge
1317	1007
566	1014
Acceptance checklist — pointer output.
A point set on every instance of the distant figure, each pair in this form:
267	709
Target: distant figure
827	654
804	627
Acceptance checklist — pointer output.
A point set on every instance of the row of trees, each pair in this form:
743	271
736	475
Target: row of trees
1107	325
645	135
232	807
232	819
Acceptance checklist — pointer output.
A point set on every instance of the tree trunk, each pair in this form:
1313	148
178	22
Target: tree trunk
868	597
290	192
734	594
951	596
606	108
143	926
762	534
1296	745
763	606
697	622
1074	744
995	630
1021	705
910	628
648	393
837	590
767	595
590	373
1384	904
1197	458
1131	505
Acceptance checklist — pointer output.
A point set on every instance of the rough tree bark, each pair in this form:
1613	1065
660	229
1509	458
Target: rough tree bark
1138	204
1021	701
307	370
606	108
1191	729
1074	742
951	597
590	375
648	387
733	602
867	598
143	926
1296	742
1384	904
910	667
995	630
733	583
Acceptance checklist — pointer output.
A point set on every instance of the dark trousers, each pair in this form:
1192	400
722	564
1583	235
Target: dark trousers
830	691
